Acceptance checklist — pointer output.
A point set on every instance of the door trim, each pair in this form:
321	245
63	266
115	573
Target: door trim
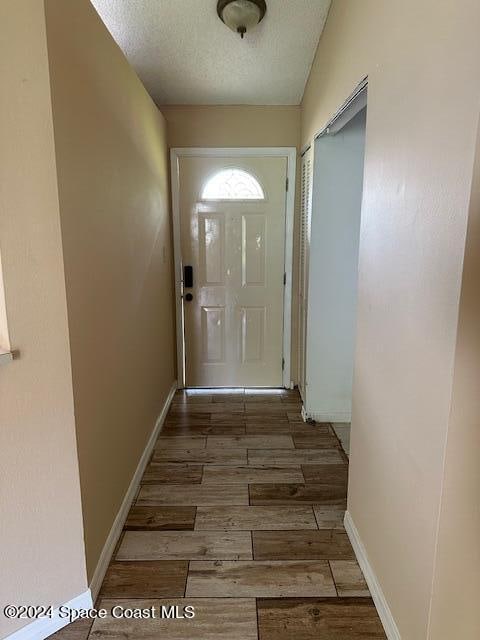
290	153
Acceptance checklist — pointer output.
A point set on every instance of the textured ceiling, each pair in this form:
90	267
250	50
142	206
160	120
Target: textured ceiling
185	55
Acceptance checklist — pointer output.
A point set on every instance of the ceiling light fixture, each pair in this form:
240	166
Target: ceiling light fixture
241	15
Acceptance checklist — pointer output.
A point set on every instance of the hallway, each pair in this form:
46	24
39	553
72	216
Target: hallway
239	514
254	194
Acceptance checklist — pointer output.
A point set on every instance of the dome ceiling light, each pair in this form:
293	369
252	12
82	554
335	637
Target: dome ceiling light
241	15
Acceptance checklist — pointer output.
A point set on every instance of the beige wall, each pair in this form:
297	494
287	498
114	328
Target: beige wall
423	63
232	126
112	172
455	612
41	550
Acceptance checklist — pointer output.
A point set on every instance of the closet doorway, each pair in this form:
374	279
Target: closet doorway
332	188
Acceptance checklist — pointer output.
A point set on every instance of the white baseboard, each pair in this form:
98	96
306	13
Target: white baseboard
378	596
119	521
44	627
322	415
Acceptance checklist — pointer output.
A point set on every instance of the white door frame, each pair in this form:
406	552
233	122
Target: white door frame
290	153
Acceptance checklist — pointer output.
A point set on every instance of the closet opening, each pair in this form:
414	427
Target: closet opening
332	188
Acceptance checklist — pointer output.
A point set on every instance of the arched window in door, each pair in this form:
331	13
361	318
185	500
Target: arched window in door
233	184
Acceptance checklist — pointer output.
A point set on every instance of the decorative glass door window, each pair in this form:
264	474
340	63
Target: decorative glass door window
233	184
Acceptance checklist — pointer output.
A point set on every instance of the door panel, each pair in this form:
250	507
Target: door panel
213	334
234	323
253	250
253	326
212	250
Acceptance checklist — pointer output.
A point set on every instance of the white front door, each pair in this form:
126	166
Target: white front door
232	227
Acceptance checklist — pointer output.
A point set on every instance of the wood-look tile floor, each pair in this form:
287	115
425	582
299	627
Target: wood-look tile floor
240	515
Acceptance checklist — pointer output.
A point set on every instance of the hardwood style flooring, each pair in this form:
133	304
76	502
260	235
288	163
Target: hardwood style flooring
239	515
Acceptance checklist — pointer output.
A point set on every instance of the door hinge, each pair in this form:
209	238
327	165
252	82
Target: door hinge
284	279
283	364
286	184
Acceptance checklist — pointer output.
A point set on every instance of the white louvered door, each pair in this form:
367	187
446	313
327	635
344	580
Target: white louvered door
305	213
